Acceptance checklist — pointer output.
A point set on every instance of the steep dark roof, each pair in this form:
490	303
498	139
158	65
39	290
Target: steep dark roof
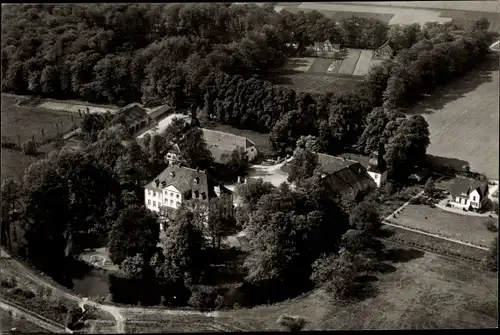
159	112
464	186
344	174
332	164
131	114
183	179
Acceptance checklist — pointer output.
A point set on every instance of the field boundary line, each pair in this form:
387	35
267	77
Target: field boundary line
434	235
41	320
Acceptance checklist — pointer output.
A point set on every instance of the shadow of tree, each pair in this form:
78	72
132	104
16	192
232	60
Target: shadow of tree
436	100
400	255
439	163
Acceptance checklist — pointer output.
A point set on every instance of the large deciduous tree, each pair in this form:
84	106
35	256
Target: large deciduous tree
136	231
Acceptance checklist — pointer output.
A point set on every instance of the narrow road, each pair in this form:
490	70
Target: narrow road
37	319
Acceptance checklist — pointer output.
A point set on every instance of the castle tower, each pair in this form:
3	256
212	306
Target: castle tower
377	167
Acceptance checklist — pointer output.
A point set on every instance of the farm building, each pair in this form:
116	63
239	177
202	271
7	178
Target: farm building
133	116
343	174
469	193
177	185
220	143
385	51
325	46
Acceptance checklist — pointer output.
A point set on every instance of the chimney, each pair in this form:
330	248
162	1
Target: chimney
157	182
239	180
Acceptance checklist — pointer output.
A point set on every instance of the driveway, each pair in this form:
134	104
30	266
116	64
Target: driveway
270	173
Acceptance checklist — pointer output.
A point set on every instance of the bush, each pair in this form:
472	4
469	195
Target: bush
291	323
29	147
202	297
8	282
491	226
58	305
220	302
448	205
25	293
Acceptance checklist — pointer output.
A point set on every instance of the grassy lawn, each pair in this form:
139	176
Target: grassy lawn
426	292
7	322
14	163
261	140
27	121
392	202
320	65
349	63
469	107
465	18
465	228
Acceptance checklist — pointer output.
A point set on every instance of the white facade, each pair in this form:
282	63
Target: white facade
473	200
378	178
251	153
168	196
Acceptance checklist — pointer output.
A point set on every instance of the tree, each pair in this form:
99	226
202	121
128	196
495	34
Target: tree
407	148
251	192
195	151
236	162
11	209
492	257
302	166
292	323
134	267
336	273
136	231
29	147
365	216
93	123
429	187
176	130
289	230
310	143
183	247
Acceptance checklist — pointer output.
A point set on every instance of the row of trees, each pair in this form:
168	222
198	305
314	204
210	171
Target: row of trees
433	56
120	53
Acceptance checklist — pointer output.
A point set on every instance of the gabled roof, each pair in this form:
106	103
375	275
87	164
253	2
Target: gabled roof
332	164
344	174
183	179
219	142
466	186
158	111
131	114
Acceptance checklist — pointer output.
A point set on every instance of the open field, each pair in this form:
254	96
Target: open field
28	121
73	108
320	65
301	64
463	119
334	66
14	163
364	63
8	321
466	228
425	291
349	63
315	83
485	6
397	15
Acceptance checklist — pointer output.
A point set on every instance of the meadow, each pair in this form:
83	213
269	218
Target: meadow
315	83
463	119
465	228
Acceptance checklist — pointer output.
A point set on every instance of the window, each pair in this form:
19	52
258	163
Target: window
474	198
171	202
177	196
149	202
154	203
150	192
154	193
171	194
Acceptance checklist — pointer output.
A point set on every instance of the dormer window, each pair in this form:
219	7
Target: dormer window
196	180
172	174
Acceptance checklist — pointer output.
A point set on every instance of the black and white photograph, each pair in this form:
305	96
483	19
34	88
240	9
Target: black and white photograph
249	166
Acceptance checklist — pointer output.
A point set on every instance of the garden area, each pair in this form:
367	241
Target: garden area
466	228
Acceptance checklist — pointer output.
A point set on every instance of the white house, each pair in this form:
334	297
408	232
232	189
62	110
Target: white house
377	168
177	185
469	193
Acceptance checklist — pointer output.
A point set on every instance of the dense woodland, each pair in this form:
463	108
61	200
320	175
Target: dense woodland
206	54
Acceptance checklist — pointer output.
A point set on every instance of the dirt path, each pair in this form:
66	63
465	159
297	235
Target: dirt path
114	311
37	319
